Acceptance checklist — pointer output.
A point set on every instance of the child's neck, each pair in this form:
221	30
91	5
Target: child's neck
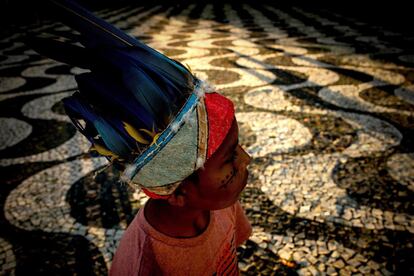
177	222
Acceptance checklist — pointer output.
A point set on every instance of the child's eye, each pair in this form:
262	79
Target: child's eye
229	179
232	158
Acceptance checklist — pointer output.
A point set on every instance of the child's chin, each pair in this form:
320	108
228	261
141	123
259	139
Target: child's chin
228	204
221	207
244	183
246	177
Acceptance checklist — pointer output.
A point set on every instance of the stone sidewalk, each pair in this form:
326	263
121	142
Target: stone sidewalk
325	106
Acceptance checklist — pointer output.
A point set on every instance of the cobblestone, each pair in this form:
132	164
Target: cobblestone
324	107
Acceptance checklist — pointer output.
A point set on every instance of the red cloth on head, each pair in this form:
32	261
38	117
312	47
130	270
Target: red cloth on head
154	195
220	113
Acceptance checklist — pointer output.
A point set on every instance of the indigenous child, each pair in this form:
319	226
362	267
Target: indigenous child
196	230
174	138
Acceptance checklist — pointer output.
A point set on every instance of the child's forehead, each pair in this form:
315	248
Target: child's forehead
220	113
229	142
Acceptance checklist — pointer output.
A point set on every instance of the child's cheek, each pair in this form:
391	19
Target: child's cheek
226	178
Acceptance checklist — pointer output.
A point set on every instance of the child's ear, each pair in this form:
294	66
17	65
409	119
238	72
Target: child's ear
177	198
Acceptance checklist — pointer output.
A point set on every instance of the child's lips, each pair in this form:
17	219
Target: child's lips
246	176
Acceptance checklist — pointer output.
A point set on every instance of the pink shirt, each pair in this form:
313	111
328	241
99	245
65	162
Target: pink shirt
145	251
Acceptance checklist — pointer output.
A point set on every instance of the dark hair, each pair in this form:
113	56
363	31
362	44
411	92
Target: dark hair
193	177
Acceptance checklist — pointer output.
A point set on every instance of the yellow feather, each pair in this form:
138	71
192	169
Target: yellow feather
103	151
150	133
188	67
155	138
135	134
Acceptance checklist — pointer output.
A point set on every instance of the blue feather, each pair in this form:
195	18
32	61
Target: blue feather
129	82
98	33
63	52
75	105
118	125
113	98
176	82
115	142
141	85
171	69
112	139
161	65
146	91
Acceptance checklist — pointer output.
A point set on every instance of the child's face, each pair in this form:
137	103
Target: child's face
223	178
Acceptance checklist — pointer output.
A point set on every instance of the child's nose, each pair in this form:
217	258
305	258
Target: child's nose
245	158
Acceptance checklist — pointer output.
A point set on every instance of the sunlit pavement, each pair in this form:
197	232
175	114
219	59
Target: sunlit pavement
325	106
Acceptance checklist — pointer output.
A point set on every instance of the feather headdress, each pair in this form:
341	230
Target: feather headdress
136	106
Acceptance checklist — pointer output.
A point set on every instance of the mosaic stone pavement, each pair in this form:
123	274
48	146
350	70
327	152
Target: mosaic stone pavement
326	108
